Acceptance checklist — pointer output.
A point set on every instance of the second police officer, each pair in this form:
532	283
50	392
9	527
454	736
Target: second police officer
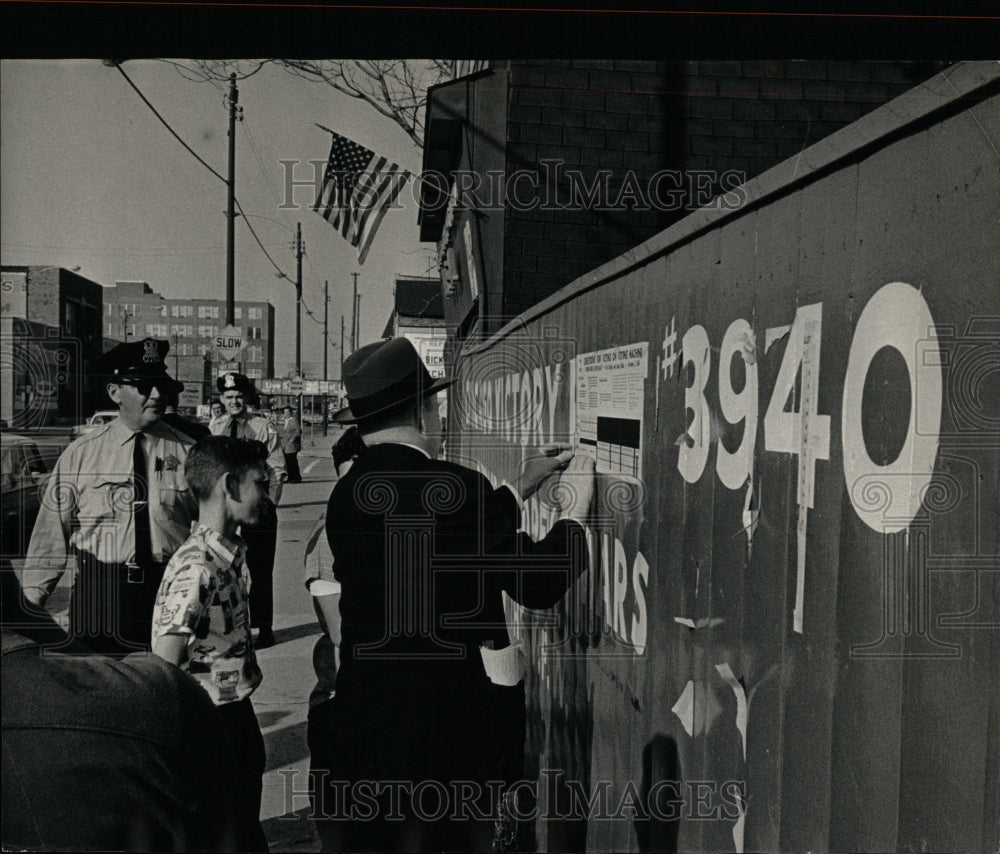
236	391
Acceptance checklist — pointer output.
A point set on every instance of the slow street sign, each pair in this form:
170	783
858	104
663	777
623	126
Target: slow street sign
229	343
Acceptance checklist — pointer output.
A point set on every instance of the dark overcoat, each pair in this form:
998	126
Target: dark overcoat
424	550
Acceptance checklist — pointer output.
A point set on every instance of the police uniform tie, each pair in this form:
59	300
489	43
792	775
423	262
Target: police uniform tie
234	428
140	513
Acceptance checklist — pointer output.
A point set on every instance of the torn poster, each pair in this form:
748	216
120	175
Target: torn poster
725	671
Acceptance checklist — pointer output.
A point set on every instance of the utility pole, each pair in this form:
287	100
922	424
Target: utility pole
326	329
298	299
341	348
177	367
354	317
357	320
234	95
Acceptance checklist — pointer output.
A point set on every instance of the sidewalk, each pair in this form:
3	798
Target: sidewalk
282	700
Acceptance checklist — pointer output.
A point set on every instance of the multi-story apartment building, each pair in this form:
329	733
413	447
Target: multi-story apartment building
134	310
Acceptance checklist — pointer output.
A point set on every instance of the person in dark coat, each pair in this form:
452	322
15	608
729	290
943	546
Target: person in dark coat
430	691
102	754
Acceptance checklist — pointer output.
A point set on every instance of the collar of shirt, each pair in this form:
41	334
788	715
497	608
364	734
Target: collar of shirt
415	447
123	433
229	552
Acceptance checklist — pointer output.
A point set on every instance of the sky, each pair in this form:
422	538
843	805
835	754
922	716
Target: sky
89	177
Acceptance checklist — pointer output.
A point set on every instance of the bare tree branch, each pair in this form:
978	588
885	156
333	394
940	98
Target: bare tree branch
395	88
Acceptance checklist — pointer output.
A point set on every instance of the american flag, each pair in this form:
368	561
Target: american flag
358	188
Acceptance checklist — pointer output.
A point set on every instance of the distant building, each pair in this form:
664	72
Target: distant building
50	335
418	314
132	309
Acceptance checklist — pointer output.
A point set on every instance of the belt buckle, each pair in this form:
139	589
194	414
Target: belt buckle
134	573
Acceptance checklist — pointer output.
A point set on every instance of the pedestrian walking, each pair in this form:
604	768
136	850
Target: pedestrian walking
201	621
116	507
236	392
430	691
291	444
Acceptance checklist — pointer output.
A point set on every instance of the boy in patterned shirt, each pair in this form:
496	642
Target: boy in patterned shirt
201	620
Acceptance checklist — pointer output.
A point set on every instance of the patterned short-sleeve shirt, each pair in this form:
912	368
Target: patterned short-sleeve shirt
204	595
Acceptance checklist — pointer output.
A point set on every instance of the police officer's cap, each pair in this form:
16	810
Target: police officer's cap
234	382
135	360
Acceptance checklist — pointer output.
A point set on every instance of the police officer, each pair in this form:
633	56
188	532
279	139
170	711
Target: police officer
236	391
118	500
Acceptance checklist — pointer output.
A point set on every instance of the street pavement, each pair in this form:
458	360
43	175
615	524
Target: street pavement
282	700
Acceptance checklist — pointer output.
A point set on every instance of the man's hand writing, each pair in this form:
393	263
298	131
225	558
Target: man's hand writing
575	491
540	463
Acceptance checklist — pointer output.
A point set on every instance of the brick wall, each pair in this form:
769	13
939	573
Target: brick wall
600	118
619	123
751	115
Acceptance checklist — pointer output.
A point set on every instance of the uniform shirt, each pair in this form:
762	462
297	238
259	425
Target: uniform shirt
88	501
204	595
262	430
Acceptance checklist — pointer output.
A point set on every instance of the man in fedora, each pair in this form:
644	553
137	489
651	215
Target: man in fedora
236	391
118	503
429	691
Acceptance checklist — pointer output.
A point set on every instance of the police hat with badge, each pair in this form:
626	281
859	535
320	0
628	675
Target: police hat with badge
235	382
138	363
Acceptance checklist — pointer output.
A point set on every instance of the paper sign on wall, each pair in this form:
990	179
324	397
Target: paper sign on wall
610	394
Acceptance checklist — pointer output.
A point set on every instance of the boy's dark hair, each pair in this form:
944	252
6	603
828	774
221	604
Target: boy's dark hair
347	447
214	456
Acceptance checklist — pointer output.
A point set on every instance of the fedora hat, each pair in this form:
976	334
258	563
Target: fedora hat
381	376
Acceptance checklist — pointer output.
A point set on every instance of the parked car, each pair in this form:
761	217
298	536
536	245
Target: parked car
22	476
312	418
98	419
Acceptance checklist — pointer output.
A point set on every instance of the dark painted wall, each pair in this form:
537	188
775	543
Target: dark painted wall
793	610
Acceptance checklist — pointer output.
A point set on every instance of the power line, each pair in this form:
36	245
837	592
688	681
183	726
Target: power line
261	245
197	157
164	122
